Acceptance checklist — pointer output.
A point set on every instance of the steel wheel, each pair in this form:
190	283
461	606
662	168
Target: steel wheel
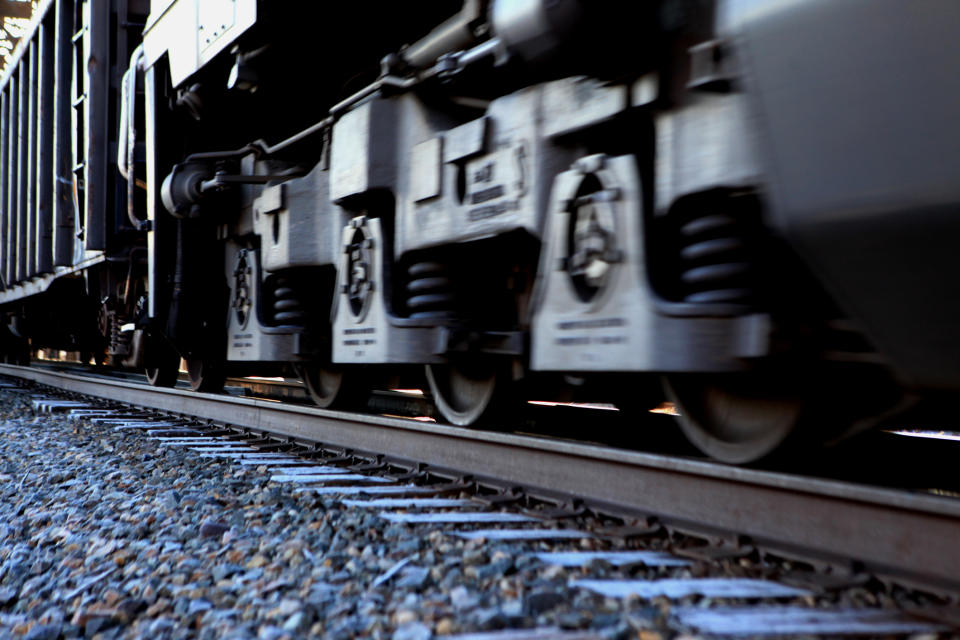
735	419
205	375
331	387
165	374
162	363
467	392
162	376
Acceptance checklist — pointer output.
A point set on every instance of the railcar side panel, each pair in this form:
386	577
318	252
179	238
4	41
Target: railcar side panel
59	189
858	103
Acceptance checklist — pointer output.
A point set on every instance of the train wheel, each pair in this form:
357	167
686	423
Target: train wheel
331	387
161	362
206	375
737	420
468	392
163	376
165	373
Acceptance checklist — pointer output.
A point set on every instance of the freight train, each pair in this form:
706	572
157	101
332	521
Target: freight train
740	206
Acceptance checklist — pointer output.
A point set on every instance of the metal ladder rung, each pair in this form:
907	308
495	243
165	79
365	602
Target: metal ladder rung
79	100
79	34
80	166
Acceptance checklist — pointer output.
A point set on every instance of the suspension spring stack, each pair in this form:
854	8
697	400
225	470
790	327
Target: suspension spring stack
431	291
717	257
119	340
288	308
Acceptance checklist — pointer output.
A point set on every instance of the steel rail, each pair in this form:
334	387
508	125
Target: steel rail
911	537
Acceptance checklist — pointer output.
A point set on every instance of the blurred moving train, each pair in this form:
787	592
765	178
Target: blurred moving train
745	206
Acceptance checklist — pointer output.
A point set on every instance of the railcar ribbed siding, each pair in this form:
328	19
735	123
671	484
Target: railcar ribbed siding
12	164
63	211
45	134
61	66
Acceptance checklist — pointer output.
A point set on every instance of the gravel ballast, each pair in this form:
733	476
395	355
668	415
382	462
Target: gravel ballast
104	533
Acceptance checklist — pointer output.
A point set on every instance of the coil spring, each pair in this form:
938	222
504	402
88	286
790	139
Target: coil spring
716	265
431	290
119	341
288	309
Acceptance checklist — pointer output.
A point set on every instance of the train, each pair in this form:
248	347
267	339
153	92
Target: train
742	207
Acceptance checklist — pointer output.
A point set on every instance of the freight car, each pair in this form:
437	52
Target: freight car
743	206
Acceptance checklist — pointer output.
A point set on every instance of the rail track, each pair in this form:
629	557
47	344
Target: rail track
907	537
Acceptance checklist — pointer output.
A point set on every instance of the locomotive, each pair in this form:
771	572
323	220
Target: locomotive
740	206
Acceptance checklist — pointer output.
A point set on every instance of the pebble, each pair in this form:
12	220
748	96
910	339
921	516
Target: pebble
213	529
491	618
413	578
541	601
44	632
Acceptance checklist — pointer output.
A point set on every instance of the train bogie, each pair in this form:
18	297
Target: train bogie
594	308
249	336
